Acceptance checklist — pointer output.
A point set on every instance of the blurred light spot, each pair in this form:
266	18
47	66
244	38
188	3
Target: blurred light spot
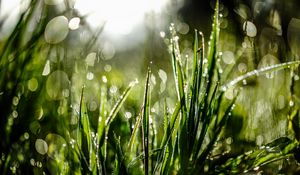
293	36
38	114
183	28
74	23
57	149
228	57
104	79
243	11
53	2
113	89
258	6
26	135
128	115
162	75
92	106
32	84
296	77
229	140
153	79
35	127
56	30
108	51
66	93
266	61
14	114
107	68
46	70
90	76
259	140
230	93
90	59
250	29
41	146
56	83
162	34
32	162
280	102
242	67
15	101
291	103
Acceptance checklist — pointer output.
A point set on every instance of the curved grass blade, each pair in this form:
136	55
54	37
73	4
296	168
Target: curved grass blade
258	72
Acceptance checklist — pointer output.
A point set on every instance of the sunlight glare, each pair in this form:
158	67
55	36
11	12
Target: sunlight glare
119	16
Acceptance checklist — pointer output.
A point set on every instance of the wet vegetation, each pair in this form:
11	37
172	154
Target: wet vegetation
64	110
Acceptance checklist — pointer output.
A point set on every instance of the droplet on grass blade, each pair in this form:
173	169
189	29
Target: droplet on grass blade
56	30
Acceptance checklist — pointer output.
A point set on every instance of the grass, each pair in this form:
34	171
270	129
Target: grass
81	141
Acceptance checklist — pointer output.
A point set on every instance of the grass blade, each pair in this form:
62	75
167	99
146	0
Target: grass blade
145	124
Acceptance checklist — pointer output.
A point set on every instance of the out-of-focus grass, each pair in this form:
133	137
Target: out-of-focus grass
77	122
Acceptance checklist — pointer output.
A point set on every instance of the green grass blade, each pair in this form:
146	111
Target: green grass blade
261	71
134	132
145	123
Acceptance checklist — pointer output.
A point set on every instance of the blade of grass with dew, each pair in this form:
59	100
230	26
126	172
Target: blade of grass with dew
120	158
167	138
134	132
258	72
101	130
145	123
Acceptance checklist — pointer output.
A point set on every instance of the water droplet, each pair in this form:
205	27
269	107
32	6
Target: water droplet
33	84
244	82
90	59
53	2
74	23
56	83
256	168
15	101
291	103
41	146
296	77
56	30
228	57
250	29
90	76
